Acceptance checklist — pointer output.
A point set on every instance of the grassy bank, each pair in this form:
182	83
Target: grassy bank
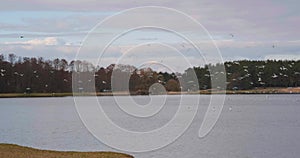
15	151
275	90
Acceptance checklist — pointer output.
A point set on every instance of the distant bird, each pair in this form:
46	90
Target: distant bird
274	76
273	46
231	35
21	36
259	79
182	45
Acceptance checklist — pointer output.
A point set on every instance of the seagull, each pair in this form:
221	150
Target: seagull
183	45
259	79
236	62
274	76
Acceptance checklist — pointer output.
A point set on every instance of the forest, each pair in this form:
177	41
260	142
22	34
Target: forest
39	75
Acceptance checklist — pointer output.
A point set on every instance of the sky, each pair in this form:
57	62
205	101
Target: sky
254	30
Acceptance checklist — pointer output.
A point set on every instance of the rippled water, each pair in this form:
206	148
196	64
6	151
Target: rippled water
249	126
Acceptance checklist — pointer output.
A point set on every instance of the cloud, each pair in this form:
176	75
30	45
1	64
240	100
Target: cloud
283	56
49	41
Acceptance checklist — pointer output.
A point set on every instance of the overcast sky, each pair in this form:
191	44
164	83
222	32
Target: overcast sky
254	29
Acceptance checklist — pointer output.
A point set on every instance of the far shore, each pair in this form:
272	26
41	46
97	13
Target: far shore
16	151
275	90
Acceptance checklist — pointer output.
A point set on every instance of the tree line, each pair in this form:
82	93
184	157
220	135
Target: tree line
38	75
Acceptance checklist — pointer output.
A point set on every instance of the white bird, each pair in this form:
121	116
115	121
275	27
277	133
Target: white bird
283	68
237	63
259	79
261	67
274	76
247	75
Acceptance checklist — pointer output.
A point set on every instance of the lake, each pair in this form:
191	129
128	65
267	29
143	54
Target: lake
250	126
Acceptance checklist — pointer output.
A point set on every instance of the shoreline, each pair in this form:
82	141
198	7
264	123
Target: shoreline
275	90
17	151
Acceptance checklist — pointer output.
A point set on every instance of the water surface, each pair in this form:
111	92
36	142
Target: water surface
251	126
